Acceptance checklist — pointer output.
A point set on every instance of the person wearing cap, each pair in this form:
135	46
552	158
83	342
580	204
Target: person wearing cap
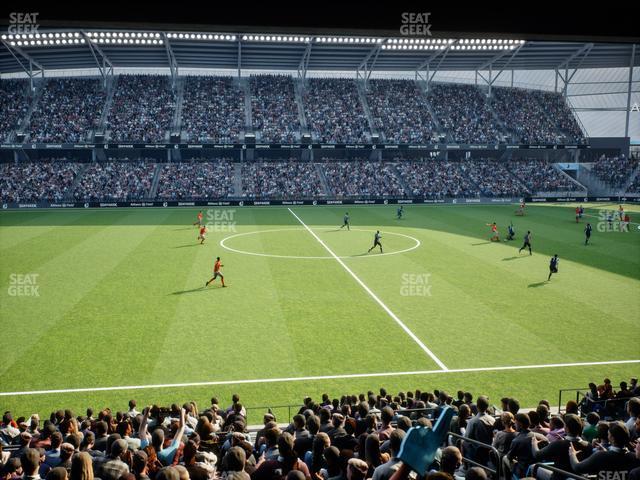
114	467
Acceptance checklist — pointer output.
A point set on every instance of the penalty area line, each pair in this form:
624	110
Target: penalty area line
318	378
373	295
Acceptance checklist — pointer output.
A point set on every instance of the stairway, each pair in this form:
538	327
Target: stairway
68	197
557	167
153	191
436	120
595	186
176	123
405	185
23	127
365	106
503	127
298	88
112	83
632	177
237	180
323	180
243	85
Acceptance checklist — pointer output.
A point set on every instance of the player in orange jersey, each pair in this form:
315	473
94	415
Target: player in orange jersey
203	234
217	272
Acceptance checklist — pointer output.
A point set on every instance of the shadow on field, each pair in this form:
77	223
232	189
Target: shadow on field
188	245
506	259
181	229
536	285
193	290
481	243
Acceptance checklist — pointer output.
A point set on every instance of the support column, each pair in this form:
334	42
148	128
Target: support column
626	124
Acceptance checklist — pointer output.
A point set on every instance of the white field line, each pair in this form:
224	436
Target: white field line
373	295
318	377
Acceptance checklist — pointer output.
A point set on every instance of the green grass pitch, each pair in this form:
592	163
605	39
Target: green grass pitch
120	302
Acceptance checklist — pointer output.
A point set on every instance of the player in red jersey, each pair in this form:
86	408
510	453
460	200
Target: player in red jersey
495	236
199	222
577	214
203	234
217	272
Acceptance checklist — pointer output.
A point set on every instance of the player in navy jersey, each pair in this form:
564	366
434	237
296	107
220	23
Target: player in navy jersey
527	242
345	221
376	241
587	233
553	266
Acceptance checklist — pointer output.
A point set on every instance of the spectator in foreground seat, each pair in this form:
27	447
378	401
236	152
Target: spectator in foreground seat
614	459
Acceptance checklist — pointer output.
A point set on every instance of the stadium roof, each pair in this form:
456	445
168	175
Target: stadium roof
81	49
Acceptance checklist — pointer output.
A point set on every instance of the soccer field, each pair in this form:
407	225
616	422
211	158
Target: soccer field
117	300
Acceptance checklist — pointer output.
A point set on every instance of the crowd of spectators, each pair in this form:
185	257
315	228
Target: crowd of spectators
115	181
362	179
142	109
524	113
634	187
492	178
541	176
14	104
462	110
274	109
334	112
400	111
615	171
212	109
281	180
196	180
39	180
68	110
556	106
437	179
376	436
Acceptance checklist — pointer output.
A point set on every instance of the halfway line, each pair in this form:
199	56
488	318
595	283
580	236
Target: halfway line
373	295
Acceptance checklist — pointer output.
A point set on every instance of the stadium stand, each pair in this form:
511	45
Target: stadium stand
67	111
334	111
14	104
33	181
527	114
212	110
463	112
112	181
540	176
400	111
332	438
437	179
281	180
273	108
142	109
362	179
493	179
615	171
195	180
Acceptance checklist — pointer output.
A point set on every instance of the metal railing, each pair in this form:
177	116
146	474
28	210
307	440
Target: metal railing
278	411
533	469
496	460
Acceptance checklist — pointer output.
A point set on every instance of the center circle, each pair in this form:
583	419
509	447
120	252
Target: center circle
416	244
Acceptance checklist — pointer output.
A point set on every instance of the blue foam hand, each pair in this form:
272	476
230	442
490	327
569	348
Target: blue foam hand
420	444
